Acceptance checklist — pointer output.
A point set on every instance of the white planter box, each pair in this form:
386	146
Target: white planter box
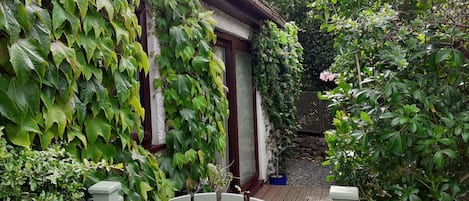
213	197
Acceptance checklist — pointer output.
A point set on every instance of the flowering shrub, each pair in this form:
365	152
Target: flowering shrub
402	99
327	76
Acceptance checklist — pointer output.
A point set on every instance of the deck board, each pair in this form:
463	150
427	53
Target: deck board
281	194
292	193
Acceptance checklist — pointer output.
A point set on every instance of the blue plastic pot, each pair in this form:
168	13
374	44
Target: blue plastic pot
280	179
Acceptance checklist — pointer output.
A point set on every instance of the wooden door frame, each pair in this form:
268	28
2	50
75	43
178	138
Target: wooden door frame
231	44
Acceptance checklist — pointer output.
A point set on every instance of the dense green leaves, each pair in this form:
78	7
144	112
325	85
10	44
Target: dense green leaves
401	98
191	81
277	69
69	75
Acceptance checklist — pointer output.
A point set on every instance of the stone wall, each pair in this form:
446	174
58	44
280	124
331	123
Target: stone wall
309	147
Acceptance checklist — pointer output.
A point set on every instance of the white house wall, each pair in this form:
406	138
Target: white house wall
158	124
263	126
228	24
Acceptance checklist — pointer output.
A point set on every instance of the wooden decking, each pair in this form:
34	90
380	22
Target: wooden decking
292	193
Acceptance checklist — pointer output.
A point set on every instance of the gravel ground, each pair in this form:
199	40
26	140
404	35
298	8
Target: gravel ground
302	172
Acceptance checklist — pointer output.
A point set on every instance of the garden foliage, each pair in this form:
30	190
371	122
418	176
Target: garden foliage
402	98
69	74
277	72
318	50
48	175
192	85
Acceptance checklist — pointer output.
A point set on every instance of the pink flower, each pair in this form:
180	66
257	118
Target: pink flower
327	76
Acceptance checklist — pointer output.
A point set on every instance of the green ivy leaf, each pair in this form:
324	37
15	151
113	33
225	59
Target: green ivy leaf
122	87
75	131
182	85
9	109
88	43
200	63
200	103
144	189
61	52
179	34
95	21
121	32
190	155
107	5
141	58
174	137
109	151
83	7
17	136
55	114
135	102
59	16
178	160
25	55
25	96
201	155
95	127
46	138
8	20
22	17
187	114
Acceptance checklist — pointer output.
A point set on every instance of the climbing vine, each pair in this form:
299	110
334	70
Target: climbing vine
277	69
192	87
69	74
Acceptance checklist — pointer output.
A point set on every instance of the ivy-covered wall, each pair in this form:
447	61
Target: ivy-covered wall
69	75
277	70
191	81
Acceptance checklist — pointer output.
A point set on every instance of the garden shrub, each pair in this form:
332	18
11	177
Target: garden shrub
402	99
48	175
318	50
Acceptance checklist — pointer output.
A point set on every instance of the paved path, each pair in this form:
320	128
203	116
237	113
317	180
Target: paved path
302	172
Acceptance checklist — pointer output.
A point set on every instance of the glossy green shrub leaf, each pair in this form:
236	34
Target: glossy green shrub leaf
443	55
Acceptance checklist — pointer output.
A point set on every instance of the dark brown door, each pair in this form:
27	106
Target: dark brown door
242	132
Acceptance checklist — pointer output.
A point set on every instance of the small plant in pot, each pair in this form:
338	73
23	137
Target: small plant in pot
278	145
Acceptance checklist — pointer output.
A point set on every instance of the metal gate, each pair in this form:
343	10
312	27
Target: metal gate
313	114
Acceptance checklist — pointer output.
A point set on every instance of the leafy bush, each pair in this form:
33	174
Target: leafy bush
402	101
49	175
318	50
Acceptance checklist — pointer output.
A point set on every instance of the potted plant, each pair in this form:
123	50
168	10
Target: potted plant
278	144
218	180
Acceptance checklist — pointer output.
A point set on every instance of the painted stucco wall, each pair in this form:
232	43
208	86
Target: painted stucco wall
229	24
156	96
